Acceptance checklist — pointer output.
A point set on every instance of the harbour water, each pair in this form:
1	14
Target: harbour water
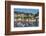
26	24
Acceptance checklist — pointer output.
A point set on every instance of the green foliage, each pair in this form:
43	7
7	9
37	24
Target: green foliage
27	16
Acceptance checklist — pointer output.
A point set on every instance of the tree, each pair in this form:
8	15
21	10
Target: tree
37	14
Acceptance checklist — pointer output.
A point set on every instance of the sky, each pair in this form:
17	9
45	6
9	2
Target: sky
26	10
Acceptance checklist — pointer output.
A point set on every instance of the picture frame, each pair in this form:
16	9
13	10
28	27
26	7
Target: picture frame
12	6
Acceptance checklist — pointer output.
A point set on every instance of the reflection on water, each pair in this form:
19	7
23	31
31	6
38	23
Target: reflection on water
26	24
